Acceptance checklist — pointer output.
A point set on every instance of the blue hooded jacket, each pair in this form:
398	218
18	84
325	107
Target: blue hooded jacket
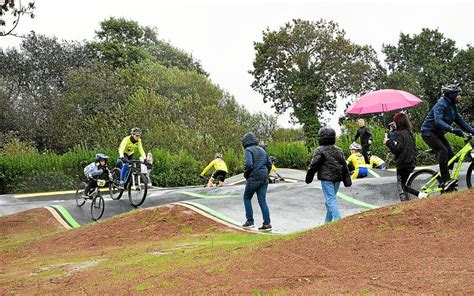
257	164
442	115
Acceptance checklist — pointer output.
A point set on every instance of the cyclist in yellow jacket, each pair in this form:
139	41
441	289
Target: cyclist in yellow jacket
376	162
220	170
357	161
126	150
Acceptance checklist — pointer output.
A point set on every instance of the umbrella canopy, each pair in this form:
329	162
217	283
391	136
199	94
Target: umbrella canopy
383	101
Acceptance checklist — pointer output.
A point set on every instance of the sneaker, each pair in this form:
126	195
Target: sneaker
247	224
449	184
265	227
422	195
121	185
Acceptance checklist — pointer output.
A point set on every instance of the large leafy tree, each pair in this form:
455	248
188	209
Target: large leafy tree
425	57
429	60
306	66
122	43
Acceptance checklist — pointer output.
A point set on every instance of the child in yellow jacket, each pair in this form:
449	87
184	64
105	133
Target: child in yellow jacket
220	170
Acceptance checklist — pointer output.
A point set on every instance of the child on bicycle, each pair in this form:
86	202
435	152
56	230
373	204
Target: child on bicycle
126	150
404	149
273	176
356	162
376	162
95	170
220	170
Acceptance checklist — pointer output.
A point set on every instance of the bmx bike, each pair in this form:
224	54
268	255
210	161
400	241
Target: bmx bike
428	181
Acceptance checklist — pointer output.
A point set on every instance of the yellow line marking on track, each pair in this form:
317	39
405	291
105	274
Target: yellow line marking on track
38	194
43	194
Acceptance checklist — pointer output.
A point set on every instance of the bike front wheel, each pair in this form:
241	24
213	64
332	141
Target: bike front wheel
137	193
424	181
97	207
469	176
114	191
80	193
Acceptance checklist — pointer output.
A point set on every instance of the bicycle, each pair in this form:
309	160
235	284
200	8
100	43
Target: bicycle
428	181
135	183
98	202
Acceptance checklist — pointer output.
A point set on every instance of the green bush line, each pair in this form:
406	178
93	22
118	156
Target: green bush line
34	172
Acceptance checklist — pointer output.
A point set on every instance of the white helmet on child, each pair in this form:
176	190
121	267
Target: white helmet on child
218	155
355	146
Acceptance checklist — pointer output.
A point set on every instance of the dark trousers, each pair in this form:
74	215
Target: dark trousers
365	150
91	185
403	189
443	151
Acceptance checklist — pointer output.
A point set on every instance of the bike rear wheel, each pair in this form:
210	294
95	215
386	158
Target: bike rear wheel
80	200
469	176
114	192
137	193
97	207
420	180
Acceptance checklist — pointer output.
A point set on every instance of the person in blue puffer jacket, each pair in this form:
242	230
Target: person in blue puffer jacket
257	165
438	122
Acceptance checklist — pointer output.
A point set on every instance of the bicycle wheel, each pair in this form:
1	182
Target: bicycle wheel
137	193
114	192
469	176
422	180
80	200
97	207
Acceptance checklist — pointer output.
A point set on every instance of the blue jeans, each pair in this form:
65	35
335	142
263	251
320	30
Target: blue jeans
259	186
330	190
123	167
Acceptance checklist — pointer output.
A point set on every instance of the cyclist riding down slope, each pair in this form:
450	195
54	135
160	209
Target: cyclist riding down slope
220	170
94	170
438	122
126	149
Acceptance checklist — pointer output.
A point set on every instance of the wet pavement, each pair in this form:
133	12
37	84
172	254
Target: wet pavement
294	206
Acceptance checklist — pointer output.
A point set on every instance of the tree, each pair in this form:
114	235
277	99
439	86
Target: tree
10	14
426	57
307	66
463	68
122	43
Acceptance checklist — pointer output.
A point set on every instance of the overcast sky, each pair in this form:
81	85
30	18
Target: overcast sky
221	33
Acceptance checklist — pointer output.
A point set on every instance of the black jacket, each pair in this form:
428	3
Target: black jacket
404	149
329	162
364	134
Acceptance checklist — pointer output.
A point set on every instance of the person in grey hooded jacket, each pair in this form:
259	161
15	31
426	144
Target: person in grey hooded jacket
257	165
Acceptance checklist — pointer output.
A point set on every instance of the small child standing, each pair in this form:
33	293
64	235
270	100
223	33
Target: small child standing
329	162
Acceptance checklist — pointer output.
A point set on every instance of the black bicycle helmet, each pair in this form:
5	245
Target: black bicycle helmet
273	159
452	88
136	131
100	156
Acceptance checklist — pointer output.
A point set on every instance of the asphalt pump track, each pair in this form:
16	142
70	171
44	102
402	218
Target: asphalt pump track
294	205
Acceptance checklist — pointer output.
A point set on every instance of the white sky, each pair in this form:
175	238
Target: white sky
221	33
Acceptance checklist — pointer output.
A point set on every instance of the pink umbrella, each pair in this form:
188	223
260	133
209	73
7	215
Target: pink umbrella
383	101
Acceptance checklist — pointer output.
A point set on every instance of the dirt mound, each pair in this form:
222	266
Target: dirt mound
39	221
416	247
145	225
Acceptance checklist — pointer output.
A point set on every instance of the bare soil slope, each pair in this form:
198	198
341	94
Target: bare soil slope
416	247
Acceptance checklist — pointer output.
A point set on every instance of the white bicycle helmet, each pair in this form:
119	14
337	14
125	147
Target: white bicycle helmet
355	146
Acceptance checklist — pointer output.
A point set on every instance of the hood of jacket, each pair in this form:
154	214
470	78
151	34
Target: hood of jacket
249	139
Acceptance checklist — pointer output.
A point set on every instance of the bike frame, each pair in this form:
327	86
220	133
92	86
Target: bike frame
432	185
132	168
